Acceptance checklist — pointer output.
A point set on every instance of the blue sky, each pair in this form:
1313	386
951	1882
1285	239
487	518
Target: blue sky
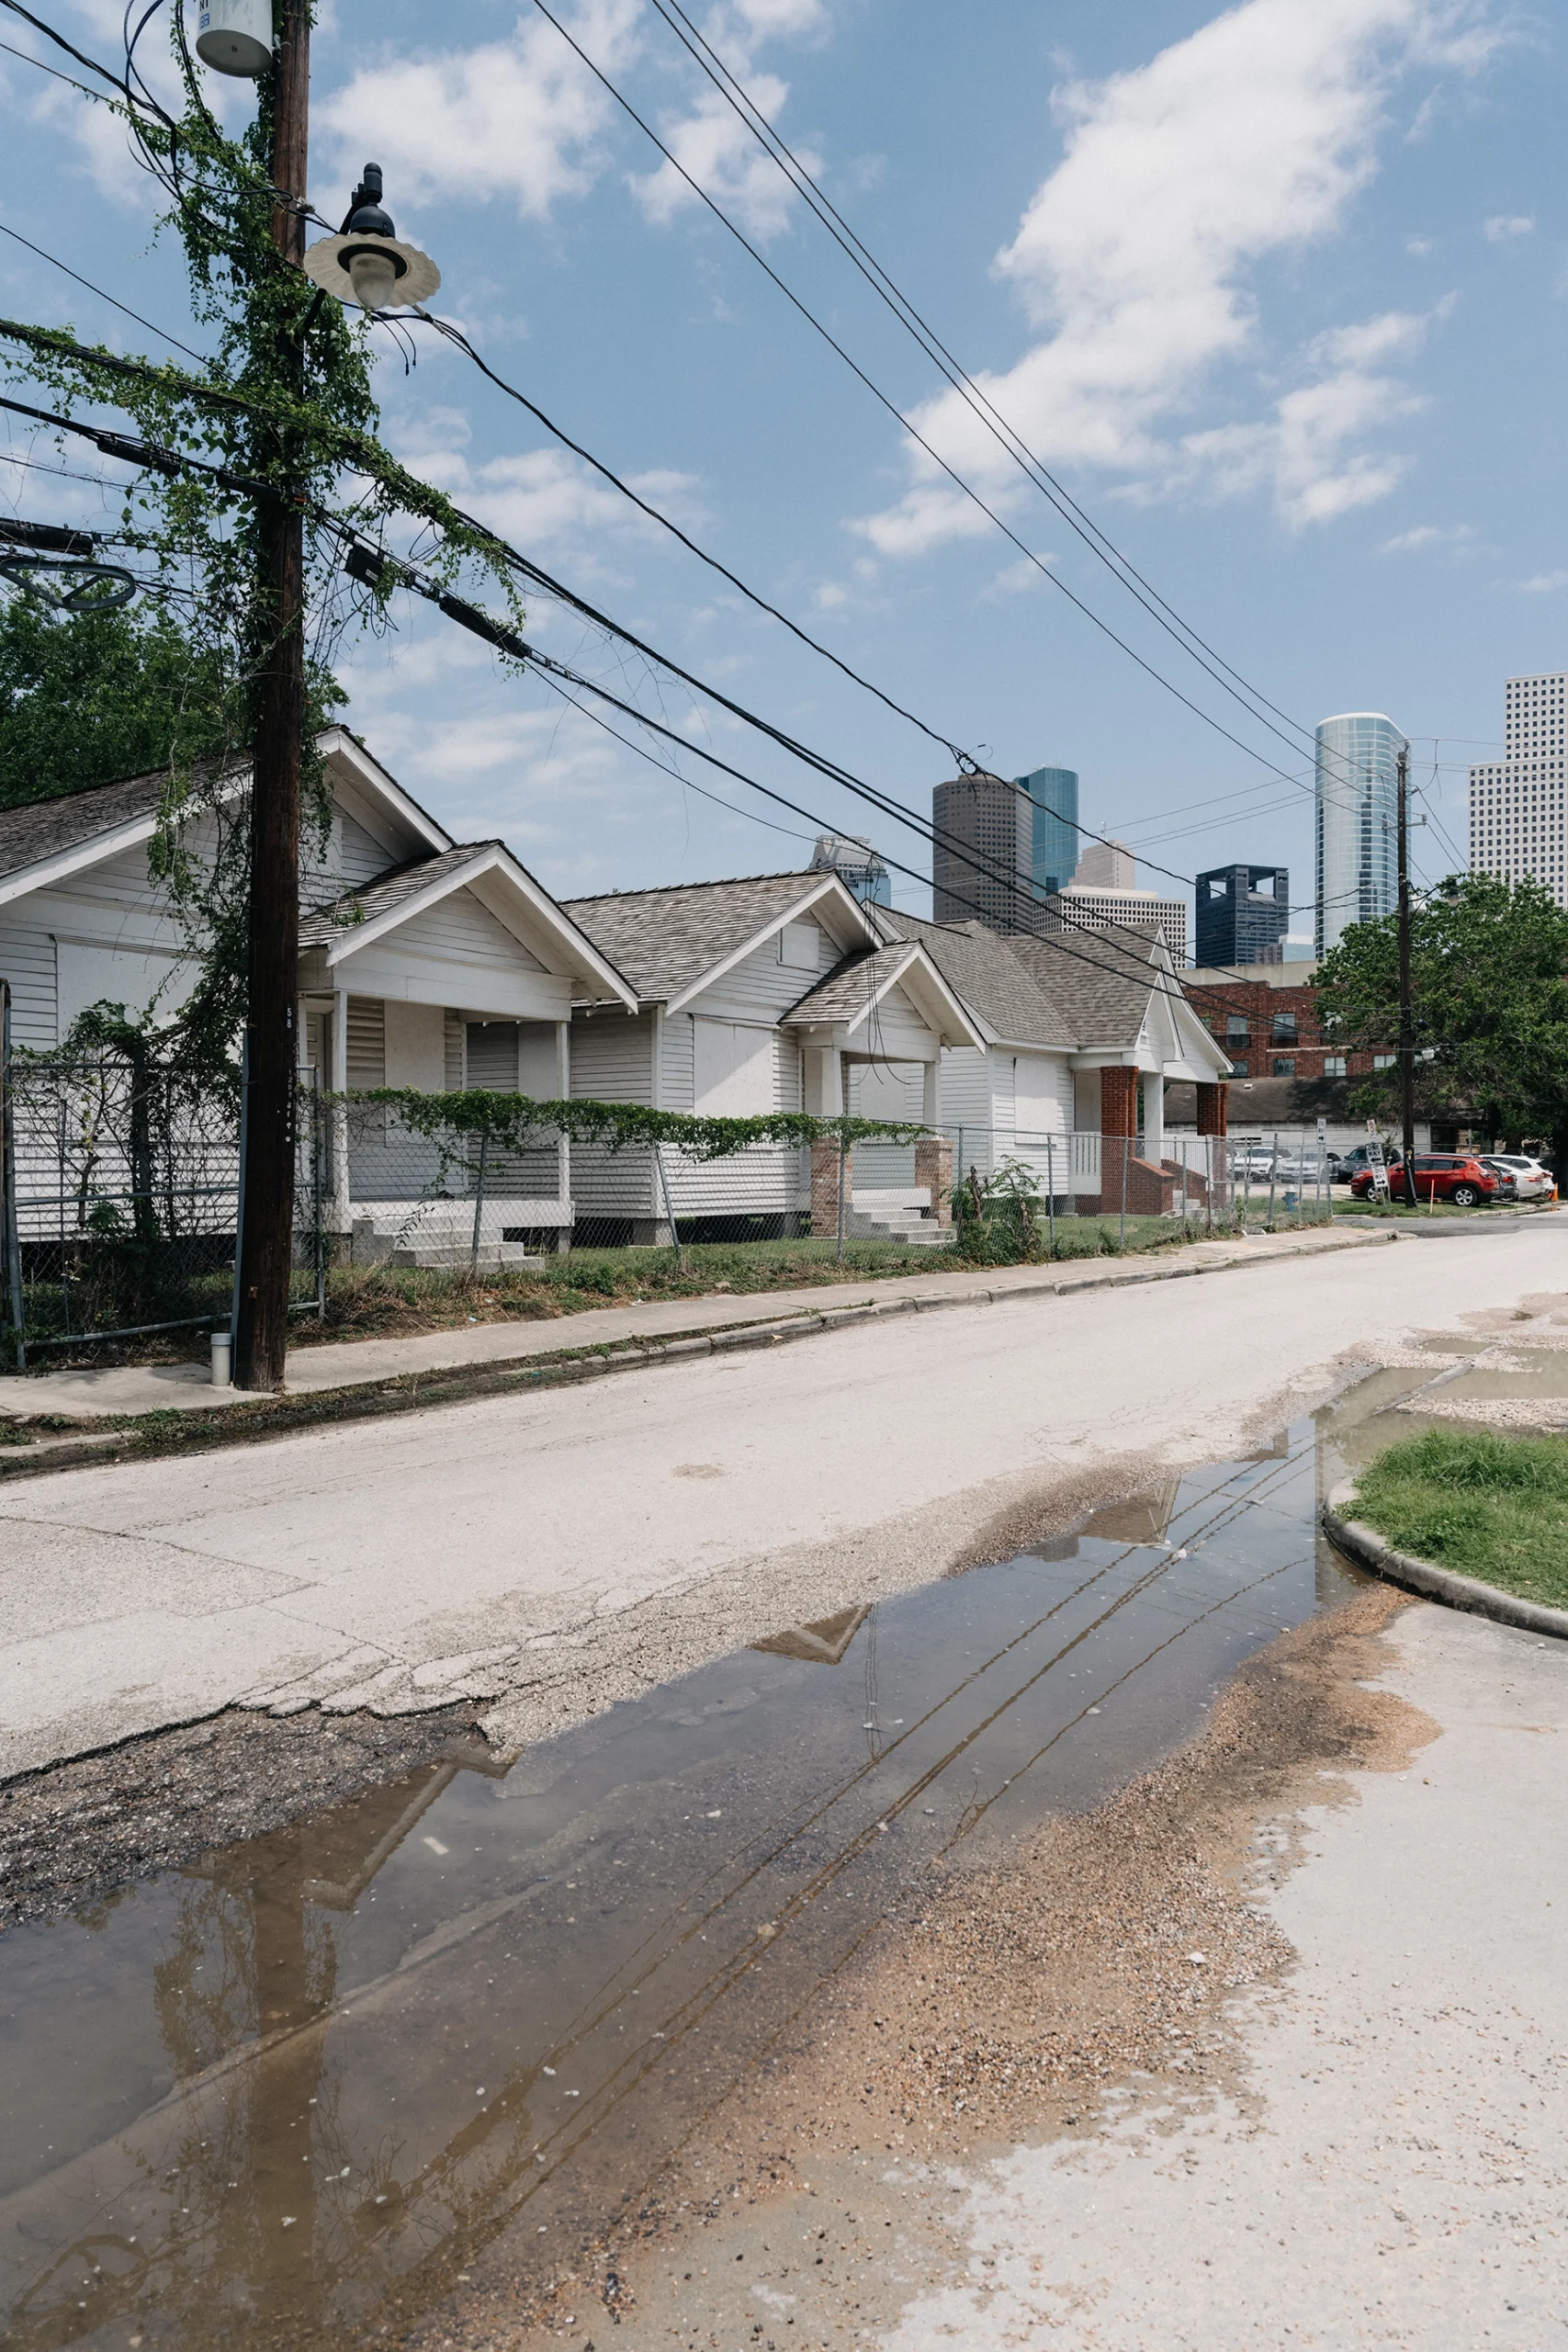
1279	294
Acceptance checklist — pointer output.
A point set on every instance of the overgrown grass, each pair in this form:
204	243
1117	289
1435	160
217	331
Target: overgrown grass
1482	1504
363	1301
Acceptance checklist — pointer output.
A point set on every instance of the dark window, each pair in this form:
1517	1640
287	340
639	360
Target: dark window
1237	1029
1241	1070
1284	1065
1284	1029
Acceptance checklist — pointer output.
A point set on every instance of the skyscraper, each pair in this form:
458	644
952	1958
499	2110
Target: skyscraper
982	862
1358	756
1055	792
1516	803
857	865
1244	912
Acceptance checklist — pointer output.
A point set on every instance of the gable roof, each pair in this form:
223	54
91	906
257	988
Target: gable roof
355	919
44	840
1102	979
339	919
667	942
851	991
976	963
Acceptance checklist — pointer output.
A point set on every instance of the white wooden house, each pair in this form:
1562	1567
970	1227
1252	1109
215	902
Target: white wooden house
423	963
772	993
1081	1034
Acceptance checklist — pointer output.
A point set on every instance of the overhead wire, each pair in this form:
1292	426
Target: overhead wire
739	99
891	408
471	616
55	263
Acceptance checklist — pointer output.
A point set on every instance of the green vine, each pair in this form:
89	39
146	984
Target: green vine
512	1121
285	409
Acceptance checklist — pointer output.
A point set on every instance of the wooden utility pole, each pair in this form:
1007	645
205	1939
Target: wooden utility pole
1406	1012
266	1240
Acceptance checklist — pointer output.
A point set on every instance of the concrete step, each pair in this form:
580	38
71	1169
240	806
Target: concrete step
457	1258
922	1232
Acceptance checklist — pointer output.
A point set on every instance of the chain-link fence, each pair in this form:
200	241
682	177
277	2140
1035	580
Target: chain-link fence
119	1201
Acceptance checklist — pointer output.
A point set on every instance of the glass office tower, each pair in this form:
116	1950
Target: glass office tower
1357	848
1054	792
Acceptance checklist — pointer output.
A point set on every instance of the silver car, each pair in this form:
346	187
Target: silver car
1531	1181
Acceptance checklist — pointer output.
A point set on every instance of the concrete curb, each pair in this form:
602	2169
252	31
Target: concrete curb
170	1431
1370	1550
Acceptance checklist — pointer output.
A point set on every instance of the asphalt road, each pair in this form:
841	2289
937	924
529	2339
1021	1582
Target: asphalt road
546	1552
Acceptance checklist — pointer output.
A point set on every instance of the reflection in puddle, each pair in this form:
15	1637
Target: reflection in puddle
292	2094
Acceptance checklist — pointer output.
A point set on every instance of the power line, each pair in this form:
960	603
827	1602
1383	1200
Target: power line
896	413
55	263
1099	544
69	79
471	616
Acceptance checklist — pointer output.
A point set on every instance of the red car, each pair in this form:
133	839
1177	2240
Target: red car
1456	1176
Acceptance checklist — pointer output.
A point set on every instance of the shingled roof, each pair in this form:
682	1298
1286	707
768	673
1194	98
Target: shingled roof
664	939
851	987
976	966
1100	980
43	829
376	898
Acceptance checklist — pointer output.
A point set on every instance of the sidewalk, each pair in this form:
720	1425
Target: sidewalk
350	1363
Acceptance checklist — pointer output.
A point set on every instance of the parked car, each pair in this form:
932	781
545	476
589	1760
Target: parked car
1532	1180
1455	1176
1357	1164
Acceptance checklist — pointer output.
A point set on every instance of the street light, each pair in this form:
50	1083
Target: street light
365	263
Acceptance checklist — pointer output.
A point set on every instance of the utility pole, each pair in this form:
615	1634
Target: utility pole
266	1241
1406	1015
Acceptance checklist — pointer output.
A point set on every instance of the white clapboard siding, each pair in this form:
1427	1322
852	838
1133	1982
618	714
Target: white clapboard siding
26	962
763	986
612	1061
367	1043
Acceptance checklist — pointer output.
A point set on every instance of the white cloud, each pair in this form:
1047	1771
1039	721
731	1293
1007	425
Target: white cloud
1504	227
1249	139
1420	247
1544	583
540	498
715	147
1424	536
521	117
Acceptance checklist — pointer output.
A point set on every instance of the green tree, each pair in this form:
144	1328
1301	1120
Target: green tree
85	699
1489	984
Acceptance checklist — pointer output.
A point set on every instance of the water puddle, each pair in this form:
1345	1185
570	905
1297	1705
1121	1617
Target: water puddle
309	2089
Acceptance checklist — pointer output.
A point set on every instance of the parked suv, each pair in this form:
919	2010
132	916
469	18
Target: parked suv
1456	1176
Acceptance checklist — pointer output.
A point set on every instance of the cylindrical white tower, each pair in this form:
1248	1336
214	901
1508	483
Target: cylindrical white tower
1358	756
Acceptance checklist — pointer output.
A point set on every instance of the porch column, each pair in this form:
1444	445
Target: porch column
933	1153
563	1141
1118	1102
1212	1110
1154	1115
343	1211
823	1075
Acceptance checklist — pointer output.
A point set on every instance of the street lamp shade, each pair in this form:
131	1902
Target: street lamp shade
235	36
366	262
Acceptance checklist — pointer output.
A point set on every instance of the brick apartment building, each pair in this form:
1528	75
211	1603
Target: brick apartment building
1266	1019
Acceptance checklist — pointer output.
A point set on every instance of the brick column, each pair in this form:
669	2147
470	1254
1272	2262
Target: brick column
1212	1110
1118	1102
933	1167
824	1189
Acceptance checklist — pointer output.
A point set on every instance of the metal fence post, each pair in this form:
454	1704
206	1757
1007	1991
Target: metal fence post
239	1182
1051	1195
670	1207
1209	1183
1122	1224
478	1202
10	1241
1184	1187
318	1188
842	1156
1273	1173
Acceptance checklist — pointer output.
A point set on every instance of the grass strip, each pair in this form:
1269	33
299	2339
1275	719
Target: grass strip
1479	1503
